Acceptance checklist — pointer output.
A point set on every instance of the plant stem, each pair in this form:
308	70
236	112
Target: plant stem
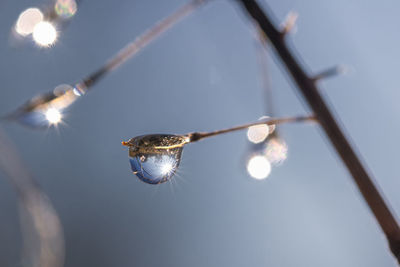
196	136
139	43
310	92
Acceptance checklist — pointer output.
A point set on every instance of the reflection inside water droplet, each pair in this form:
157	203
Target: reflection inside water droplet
44	34
155	158
156	168
33	119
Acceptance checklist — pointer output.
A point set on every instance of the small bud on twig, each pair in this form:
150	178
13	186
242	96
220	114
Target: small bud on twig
331	72
289	23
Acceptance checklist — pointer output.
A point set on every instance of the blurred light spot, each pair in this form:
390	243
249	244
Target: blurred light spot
44	33
258	167
65	96
77	92
257	134
27	20
276	150
65	8
53	116
167	167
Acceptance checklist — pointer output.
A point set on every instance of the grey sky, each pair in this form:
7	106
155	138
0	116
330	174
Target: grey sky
203	75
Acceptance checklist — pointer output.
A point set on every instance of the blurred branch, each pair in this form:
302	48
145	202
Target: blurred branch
307	87
34	112
142	41
331	72
41	228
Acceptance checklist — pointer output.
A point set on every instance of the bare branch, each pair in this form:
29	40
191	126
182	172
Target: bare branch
196	136
331	72
290	23
310	92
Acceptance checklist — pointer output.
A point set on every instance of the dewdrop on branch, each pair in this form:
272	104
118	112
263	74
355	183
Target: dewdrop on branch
33	112
155	158
47	109
259	133
272	150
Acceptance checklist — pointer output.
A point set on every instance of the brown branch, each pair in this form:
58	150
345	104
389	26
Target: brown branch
310	92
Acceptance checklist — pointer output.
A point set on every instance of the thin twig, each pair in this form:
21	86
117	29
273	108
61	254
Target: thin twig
331	72
44	101
310	92
196	136
140	42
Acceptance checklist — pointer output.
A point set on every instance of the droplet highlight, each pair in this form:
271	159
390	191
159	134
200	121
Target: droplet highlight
46	109
44	34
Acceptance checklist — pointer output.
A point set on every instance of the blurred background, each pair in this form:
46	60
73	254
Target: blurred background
203	75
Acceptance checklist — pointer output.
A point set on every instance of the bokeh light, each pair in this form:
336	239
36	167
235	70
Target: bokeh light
258	167
258	133
44	33
65	8
53	116
276	150
27	21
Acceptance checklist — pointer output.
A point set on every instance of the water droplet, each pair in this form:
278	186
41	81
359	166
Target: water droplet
33	119
27	21
258	133
155	158
46	109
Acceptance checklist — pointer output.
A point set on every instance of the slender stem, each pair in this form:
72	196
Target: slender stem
310	92
140	42
121	57
196	136
331	72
